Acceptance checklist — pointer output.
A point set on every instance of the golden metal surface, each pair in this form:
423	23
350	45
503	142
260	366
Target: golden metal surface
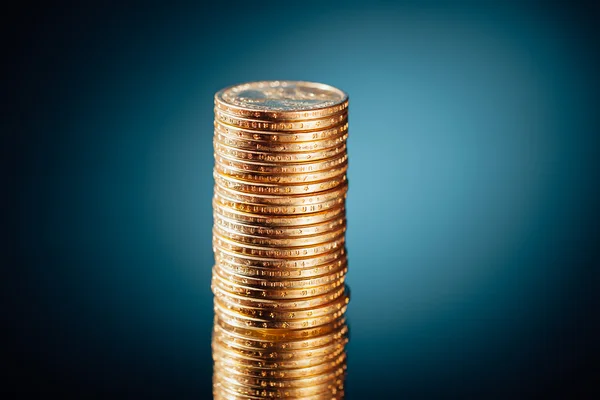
290	283
285	200
281	100
272	157
278	240
280	137
281	126
281	178
282	168
280	304
277	146
234	336
279	263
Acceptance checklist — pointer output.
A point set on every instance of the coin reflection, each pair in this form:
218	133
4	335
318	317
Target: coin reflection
275	363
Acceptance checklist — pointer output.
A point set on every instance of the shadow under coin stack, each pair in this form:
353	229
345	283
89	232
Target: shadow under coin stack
278	239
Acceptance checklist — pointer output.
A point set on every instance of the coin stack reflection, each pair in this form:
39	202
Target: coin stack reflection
278	239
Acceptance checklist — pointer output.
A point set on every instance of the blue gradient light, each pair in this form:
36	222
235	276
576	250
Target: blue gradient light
472	188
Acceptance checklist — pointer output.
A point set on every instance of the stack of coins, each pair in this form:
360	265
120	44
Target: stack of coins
278	238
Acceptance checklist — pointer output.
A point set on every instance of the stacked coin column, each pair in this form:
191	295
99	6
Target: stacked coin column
278	239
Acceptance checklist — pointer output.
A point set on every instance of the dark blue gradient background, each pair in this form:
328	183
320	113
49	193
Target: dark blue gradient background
472	210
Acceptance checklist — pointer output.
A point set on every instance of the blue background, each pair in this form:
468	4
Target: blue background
472	207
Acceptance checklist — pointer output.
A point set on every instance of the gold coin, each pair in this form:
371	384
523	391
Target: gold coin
223	374
279	304
223	354
235	338
221	391
339	266
301	283
284	200
270	350
282	126
280	141
284	315
273	355
281	373
274	273
281	383
297	221
273	351
249	323
279	242
265	156
277	209
232	384
289	336
283	168
276	188
289	281
241	320
286	248
263	293
302	392
282	179
271	186
299	377
253	261
277	252
325	352
219	394
278	231
335	377
281	100
279	146
280	137
273	294
281	285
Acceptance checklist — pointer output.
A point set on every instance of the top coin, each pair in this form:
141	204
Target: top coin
281	100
